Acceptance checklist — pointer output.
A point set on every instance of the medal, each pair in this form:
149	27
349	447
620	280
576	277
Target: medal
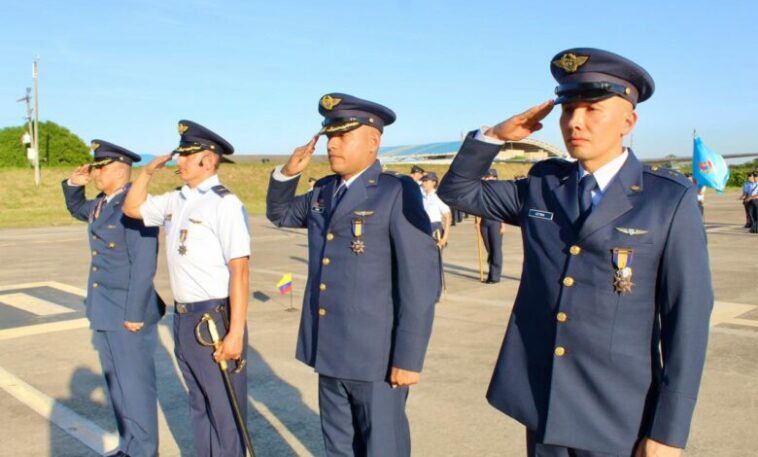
357	245
182	239
622	279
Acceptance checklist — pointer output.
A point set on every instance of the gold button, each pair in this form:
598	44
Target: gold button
562	317
654	168
112	244
321	312
94	237
329	236
636	188
94	285
575	250
94	268
322	287
326	261
568	281
94	253
560	351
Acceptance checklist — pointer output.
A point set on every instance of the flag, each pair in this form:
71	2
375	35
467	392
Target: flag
708	167
285	284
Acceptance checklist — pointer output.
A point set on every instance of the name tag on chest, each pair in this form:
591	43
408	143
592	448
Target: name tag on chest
538	214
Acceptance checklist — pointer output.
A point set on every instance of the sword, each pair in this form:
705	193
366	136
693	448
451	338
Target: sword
223	366
437	235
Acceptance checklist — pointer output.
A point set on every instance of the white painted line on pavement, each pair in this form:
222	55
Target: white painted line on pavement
39	329
72	423
34	305
53	284
725	311
297	446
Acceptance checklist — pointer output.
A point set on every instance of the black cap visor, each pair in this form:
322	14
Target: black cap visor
345	124
591	92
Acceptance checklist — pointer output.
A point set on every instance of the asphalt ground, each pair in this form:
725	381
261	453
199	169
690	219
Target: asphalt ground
53	403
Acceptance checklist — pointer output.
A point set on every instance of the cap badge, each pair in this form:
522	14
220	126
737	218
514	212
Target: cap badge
182	128
328	102
570	62
94	146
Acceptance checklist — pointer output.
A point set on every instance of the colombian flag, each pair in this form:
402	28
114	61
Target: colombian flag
285	284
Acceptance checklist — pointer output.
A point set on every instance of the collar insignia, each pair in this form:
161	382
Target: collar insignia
570	62
328	102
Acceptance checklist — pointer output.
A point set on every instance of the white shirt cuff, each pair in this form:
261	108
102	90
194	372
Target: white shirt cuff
70	184
279	176
480	136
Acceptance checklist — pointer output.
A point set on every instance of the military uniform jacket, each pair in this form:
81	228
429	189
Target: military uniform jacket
120	286
581	364
363	313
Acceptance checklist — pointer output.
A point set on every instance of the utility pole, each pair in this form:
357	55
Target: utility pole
35	135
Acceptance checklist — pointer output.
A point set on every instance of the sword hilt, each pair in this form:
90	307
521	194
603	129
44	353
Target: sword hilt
215	341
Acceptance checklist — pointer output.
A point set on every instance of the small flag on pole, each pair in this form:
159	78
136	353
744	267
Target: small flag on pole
285	284
708	167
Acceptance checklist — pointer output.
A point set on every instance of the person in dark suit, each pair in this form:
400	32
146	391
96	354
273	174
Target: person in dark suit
605	345
492	232
373	280
122	305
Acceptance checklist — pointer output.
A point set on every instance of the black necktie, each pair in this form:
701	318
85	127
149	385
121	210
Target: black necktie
338	195
586	186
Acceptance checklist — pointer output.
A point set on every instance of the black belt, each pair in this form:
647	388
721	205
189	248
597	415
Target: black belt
214	304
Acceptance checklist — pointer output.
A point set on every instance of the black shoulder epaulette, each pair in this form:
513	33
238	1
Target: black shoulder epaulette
667	173
221	191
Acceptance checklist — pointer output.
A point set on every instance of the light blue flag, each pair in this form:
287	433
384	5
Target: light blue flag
708	167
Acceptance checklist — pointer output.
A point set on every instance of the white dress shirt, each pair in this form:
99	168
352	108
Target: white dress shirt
204	231
434	206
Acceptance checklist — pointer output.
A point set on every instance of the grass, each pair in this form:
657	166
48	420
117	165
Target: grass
24	205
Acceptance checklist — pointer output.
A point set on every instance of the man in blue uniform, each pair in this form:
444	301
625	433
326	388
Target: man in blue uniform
373	279
492	235
605	346
208	247
122	305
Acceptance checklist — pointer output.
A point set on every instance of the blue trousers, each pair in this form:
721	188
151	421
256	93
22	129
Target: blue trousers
213	426
363	419
535	449
493	242
129	369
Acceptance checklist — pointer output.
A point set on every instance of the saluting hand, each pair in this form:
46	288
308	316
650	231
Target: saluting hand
231	347
80	176
400	377
300	158
521	125
651	448
157	163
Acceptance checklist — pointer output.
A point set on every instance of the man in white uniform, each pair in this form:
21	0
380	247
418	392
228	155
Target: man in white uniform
208	248
438	211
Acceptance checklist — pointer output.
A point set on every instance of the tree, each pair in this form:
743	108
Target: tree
57	146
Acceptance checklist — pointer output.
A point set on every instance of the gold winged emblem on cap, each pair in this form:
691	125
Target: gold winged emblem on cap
570	62
328	102
94	146
182	128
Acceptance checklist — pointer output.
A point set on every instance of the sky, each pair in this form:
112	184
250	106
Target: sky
253	71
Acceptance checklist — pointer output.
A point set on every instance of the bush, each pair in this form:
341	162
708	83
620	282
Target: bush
58	146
